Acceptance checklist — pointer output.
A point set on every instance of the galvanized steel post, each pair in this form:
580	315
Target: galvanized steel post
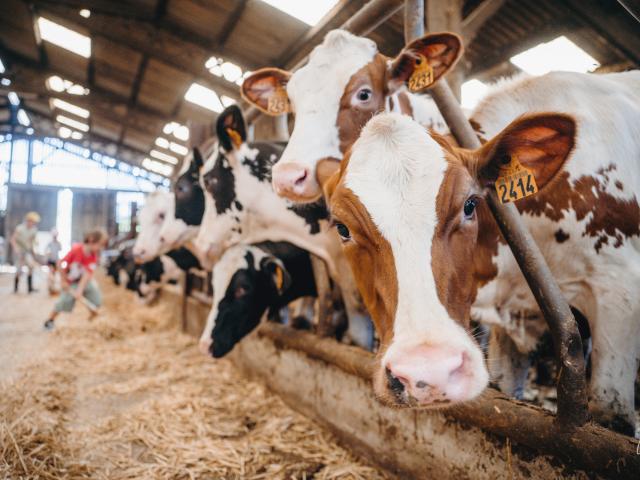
572	391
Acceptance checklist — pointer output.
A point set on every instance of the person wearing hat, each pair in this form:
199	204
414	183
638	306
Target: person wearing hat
23	242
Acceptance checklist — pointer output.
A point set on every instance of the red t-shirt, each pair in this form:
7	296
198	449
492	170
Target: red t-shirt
78	261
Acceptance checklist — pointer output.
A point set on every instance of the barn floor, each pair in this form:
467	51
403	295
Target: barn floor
129	396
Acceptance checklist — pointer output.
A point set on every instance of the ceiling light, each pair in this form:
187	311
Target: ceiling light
85	13
69	107
64	132
29	131
70	122
58	84
5	82
164	157
169	128
64	37
471	93
560	54
181	133
23	118
308	12
179	149
157	167
162	142
204	97
76	135
13	99
2	70
231	71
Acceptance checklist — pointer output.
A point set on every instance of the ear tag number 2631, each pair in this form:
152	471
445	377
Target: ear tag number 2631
515	182
422	75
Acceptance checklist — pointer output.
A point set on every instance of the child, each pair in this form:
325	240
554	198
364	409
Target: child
53	255
76	270
23	242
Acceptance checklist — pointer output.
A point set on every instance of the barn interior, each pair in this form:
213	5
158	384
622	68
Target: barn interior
100	103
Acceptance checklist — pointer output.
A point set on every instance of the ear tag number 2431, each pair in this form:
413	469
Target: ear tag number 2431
422	75
515	182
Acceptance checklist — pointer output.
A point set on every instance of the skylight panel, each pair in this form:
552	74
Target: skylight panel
2	69
13	99
204	97
85	13
162	142
307	12
23	118
157	167
5	82
70	122
58	84
231	71
70	107
472	92
64	37
163	156
560	54
181	132
177	148
241	79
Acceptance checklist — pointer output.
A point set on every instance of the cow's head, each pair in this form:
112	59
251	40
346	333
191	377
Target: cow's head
410	210
246	282
158	207
183	225
234	176
345	82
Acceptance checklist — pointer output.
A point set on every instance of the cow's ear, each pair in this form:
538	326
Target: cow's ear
197	160
230	128
325	173
540	143
278	274
424	61
267	90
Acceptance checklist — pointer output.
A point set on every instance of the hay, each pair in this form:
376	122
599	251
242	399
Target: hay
128	396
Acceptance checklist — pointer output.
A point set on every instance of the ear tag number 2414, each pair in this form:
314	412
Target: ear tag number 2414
515	182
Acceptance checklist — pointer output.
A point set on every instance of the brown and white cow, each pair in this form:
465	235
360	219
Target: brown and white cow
410	209
345	82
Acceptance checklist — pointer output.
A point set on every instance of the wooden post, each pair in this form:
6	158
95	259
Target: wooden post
572	390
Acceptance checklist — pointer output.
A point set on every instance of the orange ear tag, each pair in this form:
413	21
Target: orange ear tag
422	75
279	278
235	137
515	182
278	102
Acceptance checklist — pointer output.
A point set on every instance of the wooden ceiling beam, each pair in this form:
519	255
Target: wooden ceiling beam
231	24
472	23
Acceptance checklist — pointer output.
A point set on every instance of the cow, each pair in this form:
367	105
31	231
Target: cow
121	267
344	83
159	205
151	276
248	281
410	208
241	207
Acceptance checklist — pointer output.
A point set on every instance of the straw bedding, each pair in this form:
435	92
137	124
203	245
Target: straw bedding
128	396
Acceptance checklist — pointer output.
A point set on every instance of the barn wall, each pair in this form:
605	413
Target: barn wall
93	210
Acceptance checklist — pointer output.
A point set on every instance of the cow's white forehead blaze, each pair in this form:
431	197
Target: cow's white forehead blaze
396	170
315	91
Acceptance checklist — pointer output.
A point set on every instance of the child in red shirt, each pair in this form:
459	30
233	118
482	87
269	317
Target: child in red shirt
77	268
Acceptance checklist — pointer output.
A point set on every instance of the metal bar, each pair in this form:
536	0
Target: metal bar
572	398
367	19
631	6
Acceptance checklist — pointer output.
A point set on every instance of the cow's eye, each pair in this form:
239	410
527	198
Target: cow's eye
364	95
343	231
470	207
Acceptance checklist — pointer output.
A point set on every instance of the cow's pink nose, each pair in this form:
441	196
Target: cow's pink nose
204	345
430	374
293	180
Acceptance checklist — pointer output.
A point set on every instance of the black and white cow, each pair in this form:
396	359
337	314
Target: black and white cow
242	208
248	281
152	275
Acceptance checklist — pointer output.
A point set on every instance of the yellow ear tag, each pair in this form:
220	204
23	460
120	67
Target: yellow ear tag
279	278
422	75
235	137
515	182
278	102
